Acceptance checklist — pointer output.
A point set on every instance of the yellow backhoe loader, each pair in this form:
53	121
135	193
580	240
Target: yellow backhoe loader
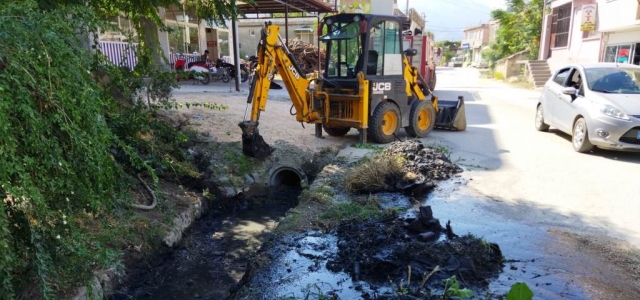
367	83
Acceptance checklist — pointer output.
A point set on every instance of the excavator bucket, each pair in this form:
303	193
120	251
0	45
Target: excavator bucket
253	144
451	115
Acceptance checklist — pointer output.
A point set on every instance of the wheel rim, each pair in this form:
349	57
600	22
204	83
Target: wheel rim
424	119
389	123
539	117
578	134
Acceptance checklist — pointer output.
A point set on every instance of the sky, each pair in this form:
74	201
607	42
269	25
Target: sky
447	18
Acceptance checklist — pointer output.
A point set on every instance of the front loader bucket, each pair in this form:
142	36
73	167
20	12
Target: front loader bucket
451	115
253	144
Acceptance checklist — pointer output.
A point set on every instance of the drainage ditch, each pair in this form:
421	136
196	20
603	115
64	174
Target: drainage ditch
213	255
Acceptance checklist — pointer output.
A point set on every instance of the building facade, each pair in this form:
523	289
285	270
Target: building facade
475	40
187	35
614	34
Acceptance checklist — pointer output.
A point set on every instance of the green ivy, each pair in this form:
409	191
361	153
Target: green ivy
55	163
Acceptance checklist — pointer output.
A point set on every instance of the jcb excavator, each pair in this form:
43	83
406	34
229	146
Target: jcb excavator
367	83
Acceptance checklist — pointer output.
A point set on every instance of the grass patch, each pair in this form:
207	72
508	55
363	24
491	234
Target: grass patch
375	148
440	148
340	212
239	163
320	193
373	174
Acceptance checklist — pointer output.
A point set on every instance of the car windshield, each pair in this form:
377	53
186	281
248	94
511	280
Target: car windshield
613	80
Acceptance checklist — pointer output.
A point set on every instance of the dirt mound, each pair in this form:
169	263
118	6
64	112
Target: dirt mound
380	252
423	160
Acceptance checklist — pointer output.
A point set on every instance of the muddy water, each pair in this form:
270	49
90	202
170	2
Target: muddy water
525	247
210	260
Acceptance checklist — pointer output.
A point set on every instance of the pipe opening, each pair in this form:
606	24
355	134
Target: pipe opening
286	177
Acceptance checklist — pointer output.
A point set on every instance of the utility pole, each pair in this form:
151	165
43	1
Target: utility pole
407	11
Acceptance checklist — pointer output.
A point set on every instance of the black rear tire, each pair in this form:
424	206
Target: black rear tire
336	131
422	119
380	130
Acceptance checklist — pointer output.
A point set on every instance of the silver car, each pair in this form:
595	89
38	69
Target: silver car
597	104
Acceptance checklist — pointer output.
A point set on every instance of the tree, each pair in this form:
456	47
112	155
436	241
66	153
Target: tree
520	26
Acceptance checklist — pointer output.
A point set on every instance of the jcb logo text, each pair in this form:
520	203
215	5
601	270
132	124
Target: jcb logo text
382	86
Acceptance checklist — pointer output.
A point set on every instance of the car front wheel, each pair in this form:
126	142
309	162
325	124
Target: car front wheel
580	137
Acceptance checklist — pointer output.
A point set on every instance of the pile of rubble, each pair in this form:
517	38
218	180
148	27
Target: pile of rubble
424	161
378	251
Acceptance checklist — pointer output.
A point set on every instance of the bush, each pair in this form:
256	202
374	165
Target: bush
55	163
498	75
374	174
66	144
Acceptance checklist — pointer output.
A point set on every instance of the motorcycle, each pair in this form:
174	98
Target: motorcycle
194	70
244	70
219	73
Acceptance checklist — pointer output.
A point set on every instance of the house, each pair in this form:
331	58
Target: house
582	31
474	42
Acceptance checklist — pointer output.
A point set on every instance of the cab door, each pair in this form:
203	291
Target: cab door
384	65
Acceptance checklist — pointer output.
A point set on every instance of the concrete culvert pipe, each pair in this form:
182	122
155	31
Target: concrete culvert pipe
286	175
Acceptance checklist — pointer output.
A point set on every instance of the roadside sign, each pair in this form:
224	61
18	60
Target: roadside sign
588	17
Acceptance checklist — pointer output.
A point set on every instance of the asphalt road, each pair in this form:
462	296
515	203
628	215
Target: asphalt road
517	164
533	194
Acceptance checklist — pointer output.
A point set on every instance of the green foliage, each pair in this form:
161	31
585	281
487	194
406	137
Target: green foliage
498	75
447	56
71	126
452	289
520	291
448	43
352	211
520	27
373	147
54	144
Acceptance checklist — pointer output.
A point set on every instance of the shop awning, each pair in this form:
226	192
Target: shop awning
282	6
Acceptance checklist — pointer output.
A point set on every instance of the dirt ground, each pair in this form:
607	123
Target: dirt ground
276	122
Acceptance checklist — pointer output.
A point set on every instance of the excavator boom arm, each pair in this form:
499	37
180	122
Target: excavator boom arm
273	55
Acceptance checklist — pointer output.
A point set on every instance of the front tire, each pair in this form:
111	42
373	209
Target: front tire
336	131
422	118
384	123
580	137
540	124
204	78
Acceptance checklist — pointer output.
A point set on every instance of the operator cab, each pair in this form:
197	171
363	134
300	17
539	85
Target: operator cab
355	43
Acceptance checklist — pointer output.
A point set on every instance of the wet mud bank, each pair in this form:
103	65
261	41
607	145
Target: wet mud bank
359	236
246	200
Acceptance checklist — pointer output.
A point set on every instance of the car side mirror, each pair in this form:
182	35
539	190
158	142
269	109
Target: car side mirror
569	91
410	52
